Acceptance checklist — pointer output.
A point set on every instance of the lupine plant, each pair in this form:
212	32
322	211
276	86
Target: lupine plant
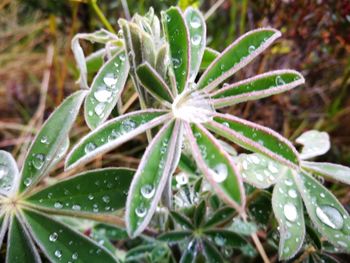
182	86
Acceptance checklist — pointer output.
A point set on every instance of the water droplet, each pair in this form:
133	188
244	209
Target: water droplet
89	147
195	21
102	95
100	108
90	113
76	207
219	240
330	216
53	237
147	191
128	125
279	81
272	168
58	253
75	256
220	172
3	170
251	49
58	205
226	124
245	165
141	211
288	182
322	195
44	140
114	135
110	81
255	159
176	62
122	57
106	199
27	181
38	160
90	197
292	193
290	212
196	40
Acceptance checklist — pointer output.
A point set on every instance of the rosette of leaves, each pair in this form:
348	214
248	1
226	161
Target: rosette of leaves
28	206
187	113
295	187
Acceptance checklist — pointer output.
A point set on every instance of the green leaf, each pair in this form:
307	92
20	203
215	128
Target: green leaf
315	144
255	138
260	208
181	220
112	232
325	211
259	170
211	252
96	60
177	35
51	139
190	253
208	57
154	83
243	227
288	209
9	175
162	62
329	170
260	86
20	247
175	236
4	222
217	166
111	134
62	244
197	33
226	238
236	56
105	90
199	214
183	4
157	164
96	191
221	216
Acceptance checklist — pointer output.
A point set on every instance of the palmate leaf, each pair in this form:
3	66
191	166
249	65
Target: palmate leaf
157	164
106	89
236	56
329	170
211	252
62	244
255	138
20	247
325	211
190	253
175	236
227	238
177	35
154	83
49	142
217	166
113	133
96	191
257	87
288	209
182	220
220	216
315	144
9	174
198	34
259	170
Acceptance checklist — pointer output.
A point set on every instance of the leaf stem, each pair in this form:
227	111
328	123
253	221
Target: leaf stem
101	16
257	243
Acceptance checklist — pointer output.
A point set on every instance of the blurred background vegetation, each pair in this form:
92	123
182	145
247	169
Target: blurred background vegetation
38	69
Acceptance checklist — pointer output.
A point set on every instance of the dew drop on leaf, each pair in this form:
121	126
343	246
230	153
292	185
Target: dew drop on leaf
292	193
76	207
99	108
330	216
279	81
176	62
27	181
220	172
53	237
75	256
196	40
251	49
141	211
195	22
89	147
290	212
106	199
58	253
219	240
272	168
3	170
38	160
58	205
110	81
102	95
44	140
147	191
